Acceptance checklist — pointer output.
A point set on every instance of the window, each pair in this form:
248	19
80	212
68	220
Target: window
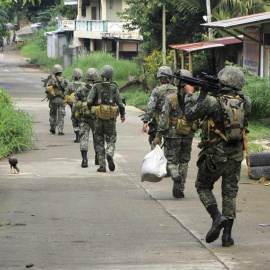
83	11
110	4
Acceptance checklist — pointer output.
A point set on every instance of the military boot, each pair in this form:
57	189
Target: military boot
101	169
219	222
177	192
84	159
227	240
52	131
96	159
77	139
110	163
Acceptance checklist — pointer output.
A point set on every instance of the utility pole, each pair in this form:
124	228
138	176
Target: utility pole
164	35
209	17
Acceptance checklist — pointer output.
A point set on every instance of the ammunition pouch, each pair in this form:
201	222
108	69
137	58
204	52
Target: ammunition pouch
84	110
50	92
182	126
105	112
69	99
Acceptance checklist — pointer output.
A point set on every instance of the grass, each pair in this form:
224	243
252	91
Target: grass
16	127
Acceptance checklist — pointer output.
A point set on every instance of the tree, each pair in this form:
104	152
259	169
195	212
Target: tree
146	15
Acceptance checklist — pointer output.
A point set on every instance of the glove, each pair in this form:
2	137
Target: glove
156	141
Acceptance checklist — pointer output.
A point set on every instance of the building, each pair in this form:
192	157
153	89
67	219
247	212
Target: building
256	42
99	28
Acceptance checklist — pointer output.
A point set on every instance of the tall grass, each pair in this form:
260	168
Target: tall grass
123	69
16	127
258	89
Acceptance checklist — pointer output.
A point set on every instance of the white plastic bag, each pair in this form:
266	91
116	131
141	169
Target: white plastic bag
154	166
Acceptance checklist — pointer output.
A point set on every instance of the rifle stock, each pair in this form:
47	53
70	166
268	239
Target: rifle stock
209	83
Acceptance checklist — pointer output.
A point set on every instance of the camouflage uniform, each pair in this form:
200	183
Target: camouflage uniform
218	158
105	92
178	146
86	119
57	108
73	87
156	102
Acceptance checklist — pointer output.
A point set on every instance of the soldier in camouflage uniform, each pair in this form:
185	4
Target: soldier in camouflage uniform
71	90
178	138
81	111
55	88
105	102
220	157
155	103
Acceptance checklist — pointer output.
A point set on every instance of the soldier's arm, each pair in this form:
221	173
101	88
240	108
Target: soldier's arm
151	105
118	101
247	106
194	110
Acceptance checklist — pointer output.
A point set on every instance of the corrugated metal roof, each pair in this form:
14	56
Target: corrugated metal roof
253	19
215	43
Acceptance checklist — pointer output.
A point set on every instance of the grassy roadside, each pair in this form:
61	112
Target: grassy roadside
16	127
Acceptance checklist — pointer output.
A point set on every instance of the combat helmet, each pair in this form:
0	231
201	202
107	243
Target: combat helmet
232	77
91	74
107	71
182	72
77	73
57	69
164	69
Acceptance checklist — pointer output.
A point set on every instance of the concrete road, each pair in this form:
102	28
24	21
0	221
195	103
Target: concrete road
63	216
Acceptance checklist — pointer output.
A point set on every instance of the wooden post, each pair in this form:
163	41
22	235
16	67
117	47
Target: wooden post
190	63
183	60
117	50
175	59
164	35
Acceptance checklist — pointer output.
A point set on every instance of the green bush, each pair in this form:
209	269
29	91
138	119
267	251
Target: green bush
258	89
16	127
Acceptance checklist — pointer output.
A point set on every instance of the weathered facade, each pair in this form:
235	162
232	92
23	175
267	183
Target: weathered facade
256	43
99	28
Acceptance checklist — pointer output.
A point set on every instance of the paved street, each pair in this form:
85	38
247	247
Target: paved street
63	216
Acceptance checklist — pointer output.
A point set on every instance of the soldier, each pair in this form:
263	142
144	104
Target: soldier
178	136
55	88
106	103
222	143
81	111
70	92
156	101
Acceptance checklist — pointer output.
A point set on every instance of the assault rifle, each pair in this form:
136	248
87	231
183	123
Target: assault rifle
208	84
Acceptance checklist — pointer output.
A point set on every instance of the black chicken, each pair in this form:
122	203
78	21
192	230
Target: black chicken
13	164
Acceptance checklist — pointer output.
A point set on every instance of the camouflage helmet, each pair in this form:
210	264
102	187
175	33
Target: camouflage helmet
182	72
77	73
57	69
232	77
164	69
91	74
107	71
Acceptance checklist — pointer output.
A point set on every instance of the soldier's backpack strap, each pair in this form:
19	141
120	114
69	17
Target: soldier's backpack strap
162	89
98	87
174	99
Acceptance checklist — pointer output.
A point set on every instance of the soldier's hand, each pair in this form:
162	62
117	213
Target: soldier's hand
144	128
157	141
123	118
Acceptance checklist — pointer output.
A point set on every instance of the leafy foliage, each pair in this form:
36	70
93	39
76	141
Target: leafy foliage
16	127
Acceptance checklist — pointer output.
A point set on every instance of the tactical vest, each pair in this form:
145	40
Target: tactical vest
105	111
161	91
233	121
181	125
56	89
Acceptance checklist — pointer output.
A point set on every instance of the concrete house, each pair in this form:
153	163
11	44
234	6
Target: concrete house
99	28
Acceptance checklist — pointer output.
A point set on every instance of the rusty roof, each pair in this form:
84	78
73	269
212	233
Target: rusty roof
209	44
248	20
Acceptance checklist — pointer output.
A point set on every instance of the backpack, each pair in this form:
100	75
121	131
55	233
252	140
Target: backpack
233	115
